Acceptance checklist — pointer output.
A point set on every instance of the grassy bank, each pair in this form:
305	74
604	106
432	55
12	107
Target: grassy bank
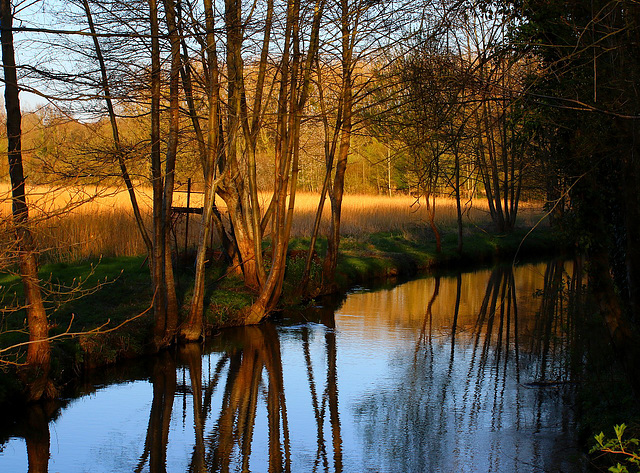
108	301
392	254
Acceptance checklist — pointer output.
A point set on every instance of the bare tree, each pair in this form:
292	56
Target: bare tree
357	35
39	351
501	153
211	153
294	82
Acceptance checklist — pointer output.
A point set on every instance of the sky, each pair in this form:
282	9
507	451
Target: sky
29	48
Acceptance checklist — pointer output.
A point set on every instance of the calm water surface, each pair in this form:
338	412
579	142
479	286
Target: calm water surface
470	373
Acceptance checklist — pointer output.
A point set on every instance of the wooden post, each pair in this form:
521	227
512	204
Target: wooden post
389	170
186	226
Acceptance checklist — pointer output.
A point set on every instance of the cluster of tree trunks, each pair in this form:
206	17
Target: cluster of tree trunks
235	102
227	142
454	106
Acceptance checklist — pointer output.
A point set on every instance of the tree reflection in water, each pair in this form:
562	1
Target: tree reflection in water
329	396
37	437
33	427
431	420
260	350
250	370
163	378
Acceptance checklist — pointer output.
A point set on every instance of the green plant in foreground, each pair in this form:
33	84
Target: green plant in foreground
619	448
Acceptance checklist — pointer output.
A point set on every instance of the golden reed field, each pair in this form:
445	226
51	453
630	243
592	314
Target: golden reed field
73	223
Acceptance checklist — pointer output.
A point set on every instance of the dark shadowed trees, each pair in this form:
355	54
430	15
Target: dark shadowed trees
585	91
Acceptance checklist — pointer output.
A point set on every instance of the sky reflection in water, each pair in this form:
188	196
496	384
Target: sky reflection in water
467	373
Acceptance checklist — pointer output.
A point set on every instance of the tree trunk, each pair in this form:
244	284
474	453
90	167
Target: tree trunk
330	143
458	204
159	234
431	211
333	242
624	336
171	323
39	351
291	102
270	292
389	171
193	327
632	224
235	192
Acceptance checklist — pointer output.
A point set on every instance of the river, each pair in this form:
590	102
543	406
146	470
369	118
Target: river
471	372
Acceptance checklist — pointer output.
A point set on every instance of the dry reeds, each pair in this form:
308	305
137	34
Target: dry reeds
75	223
364	214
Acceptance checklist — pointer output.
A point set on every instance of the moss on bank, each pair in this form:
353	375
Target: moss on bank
382	255
124	291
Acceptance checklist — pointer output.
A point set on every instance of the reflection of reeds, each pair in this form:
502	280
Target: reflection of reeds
80	222
406	306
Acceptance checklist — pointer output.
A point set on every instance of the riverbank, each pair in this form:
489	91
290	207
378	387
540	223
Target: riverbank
349	374
113	316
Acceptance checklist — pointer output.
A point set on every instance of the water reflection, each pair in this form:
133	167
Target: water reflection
248	375
329	397
163	378
475	372
259	352
502	413
37	438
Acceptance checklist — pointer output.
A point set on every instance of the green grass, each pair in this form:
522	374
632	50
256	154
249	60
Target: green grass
82	297
380	255
115	289
390	254
224	299
92	292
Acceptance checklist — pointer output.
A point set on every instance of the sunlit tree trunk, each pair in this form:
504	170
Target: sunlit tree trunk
158	264
337	190
457	194
236	190
330	143
294	89
430	201
170	166
192	328
251	126
38	351
158	247
500	163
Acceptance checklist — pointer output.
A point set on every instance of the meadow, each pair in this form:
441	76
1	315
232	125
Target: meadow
76	223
